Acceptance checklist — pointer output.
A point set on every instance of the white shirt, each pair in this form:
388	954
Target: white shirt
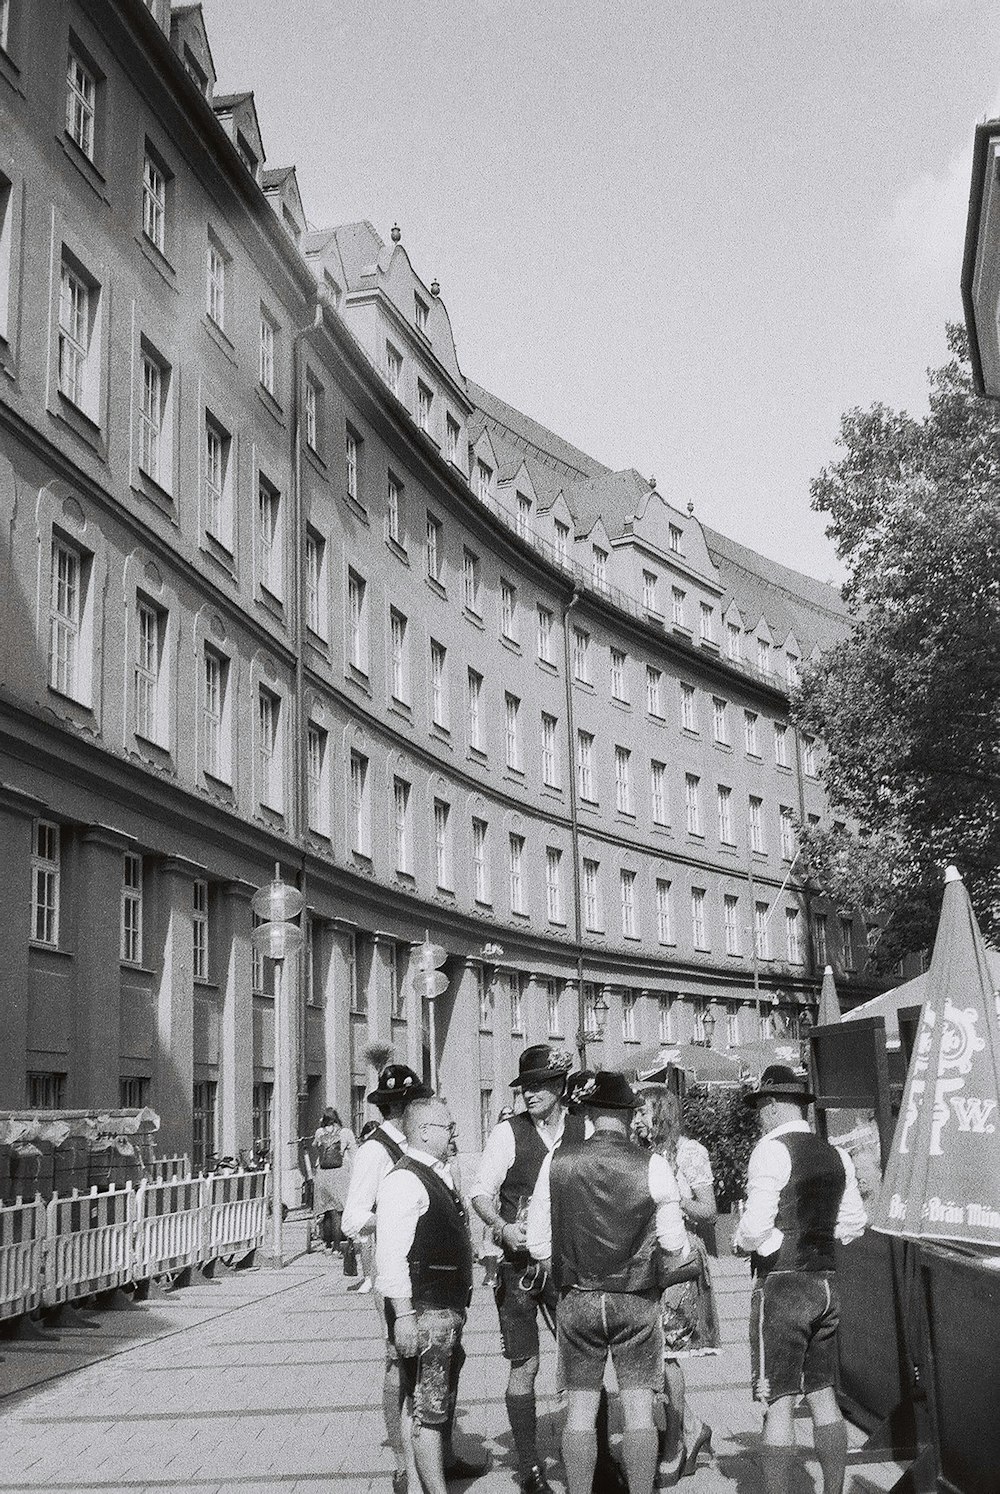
371	1164
663	1191
498	1155
769	1170
402	1198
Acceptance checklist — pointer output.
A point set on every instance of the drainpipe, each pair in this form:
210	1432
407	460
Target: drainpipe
574	821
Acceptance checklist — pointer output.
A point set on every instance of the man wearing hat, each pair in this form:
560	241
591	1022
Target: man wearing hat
601	1214
512	1158
802	1195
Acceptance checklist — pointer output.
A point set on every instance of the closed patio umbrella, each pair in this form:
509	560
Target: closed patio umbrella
829	1001
699	1065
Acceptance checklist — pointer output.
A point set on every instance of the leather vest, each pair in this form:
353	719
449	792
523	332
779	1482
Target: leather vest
603	1219
807	1207
381	1135
530	1152
441	1254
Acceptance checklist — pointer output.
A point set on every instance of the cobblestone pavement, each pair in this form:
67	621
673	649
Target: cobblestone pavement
271	1381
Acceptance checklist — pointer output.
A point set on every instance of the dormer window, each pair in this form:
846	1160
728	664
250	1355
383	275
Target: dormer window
675	540
393	369
195	70
484	476
420	310
247	155
425	402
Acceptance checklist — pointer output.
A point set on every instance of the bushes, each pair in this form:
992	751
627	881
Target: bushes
725	1122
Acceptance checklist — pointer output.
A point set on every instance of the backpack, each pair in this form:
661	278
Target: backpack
331	1152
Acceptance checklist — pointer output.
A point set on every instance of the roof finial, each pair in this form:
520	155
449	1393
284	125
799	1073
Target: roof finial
397	233
652	484
691	507
435	288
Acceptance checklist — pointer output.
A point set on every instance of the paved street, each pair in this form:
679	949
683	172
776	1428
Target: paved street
271	1381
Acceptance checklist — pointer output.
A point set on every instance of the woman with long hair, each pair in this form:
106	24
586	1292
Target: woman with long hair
690	1324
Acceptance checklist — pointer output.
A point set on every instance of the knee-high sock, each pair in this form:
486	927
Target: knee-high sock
639	1452
579	1450
831	1449
777	1465
390	1411
524	1429
603	1428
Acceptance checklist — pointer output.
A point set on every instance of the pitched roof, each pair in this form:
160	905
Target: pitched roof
276	176
611	496
792	603
554	463
221	102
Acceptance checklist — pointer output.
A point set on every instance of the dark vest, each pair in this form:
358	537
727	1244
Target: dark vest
384	1139
808	1207
603	1219
530	1152
441	1254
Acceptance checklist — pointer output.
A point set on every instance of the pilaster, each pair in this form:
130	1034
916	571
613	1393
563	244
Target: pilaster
17	815
94	1069
173	1059
235	1098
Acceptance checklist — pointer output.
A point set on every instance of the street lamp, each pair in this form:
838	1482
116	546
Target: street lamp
595	1020
708	1027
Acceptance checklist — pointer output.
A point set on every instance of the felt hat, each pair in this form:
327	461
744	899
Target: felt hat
779	1082
397	1082
541	1061
610	1092
579	1085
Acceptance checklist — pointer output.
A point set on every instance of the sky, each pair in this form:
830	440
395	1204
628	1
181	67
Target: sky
686	237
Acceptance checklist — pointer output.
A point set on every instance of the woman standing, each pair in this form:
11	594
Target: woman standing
690	1323
335	1146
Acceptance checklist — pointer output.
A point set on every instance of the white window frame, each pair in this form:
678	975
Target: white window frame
130	949
359	769
217	464
720	720
692	803
401	824
351	445
762	930
216	753
148	673
67	614
699	932
627	889
439	684
425	406
677	599
216	274
508	611
793	936
399	674
442	844
731	921
270	537
154	200
585	765
593	912
724	804
480	860
515	854
581	656
471	581
81	104
649	585
434	548
270	757
665	1018
545	621
266	359
394	507
551	775
553	1016
658	792
623	780
393	369
357	621
706	622
734	643
317	795
79	296
755	823
200	930
786	820
46	883
664	912
654	691
689	707
553	884
474	688
484	476
315	584
750	734
781	744
511	710
312	413
618	664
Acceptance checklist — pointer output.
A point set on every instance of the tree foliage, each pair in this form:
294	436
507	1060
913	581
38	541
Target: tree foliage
909	704
725	1122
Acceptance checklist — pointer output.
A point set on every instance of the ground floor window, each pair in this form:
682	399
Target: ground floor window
357	1108
263	1097
46	1091
203	1132
133	1091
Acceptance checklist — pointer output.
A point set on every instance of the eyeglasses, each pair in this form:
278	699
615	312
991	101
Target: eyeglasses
450	1127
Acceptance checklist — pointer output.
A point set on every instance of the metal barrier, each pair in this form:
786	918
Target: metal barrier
168	1169
235	1213
89	1244
22	1243
170	1227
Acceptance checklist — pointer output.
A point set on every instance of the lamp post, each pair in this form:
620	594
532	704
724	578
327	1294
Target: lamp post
597	1012
708	1027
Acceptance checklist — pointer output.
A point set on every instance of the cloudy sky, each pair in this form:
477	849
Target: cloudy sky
684	236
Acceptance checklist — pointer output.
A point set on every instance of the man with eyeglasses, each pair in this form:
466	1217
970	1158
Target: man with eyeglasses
423	1258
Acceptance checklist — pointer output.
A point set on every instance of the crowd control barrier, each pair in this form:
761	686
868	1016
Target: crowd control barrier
67	1250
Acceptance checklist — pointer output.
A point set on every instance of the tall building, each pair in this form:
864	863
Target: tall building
281	585
981	266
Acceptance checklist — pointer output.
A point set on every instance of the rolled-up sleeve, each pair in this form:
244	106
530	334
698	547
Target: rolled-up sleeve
539	1222
498	1154
663	1190
852	1216
402	1199
371	1163
769	1170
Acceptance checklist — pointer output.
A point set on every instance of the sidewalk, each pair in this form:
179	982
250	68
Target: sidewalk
271	1381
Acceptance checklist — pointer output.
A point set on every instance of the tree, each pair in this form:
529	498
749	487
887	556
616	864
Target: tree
908	704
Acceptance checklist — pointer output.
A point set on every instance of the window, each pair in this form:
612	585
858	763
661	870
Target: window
315	580
618	675
623	780
550	751
215	287
66	618
649	591
545	635
654	681
152	413
45	883
600	567
820	940
199	928
485	999
453	433
262	1100
692	803
658	785
480	864
515	846
756	822
763	656
439	685
203	1124
148	659
553	1019
592	894
627	881
706	623
46	1090
584	765
689	720
562	541
787	832
78	297
762	930
511	706
677	606
214	714
317	799
216	482
733	1026
269	754
425	404
400	981
471	577
553	884
523	514
581	656
725	808
750	733
394	507
809	766
516	1005
720	723
393	369
133	1092
791	671
351	452
847	943
442	843
665	1016
398	671
154	200
6	247
357	622
698	933
247	154
484	476
628	1016
508	610
269	536
265	366
312	413
131	910
731	919
81	103
793	936
472	713
664	912
420	313
781	744
734	646
674	539
401	822
361	841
